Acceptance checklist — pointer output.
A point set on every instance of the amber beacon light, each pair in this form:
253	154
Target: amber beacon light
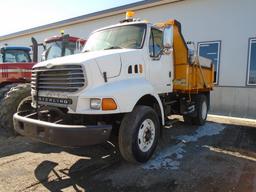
130	14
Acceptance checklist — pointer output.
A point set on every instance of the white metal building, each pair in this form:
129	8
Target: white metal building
224	31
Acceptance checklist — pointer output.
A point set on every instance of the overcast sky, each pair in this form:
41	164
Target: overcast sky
17	15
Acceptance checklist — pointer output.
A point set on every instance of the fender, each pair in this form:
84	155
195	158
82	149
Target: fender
126	94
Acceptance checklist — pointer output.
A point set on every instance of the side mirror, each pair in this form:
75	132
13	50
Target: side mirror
168	37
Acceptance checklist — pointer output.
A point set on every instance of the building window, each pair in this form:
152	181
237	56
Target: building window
252	62
211	50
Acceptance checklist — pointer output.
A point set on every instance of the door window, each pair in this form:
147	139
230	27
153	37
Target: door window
155	42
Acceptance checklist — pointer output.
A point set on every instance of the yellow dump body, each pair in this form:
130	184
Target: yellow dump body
188	77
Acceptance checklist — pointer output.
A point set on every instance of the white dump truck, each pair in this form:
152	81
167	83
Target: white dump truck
129	79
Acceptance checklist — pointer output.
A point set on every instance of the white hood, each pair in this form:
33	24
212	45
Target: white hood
108	61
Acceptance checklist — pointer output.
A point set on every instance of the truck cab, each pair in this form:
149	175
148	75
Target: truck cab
135	57
59	46
15	64
130	77
16	54
141	42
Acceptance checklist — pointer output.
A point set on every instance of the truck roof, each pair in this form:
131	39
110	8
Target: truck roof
23	48
59	38
123	24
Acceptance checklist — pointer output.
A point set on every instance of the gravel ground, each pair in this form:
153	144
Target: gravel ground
219	156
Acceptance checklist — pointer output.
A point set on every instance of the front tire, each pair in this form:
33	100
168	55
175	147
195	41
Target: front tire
138	134
9	106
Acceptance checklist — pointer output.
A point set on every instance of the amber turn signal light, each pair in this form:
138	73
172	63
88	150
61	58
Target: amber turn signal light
108	104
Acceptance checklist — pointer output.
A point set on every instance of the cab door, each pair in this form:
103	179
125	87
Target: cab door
160	64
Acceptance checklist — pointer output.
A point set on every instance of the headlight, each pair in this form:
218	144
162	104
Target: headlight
95	104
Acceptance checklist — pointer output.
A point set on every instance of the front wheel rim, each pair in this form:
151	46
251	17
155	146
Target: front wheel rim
146	135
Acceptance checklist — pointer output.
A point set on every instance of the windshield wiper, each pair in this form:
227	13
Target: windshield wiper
113	47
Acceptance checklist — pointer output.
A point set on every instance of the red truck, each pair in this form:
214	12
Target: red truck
15	71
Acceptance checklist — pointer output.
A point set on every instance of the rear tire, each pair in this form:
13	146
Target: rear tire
9	106
200	113
138	134
202	110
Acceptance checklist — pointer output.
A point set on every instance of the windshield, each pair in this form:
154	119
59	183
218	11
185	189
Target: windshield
56	49
128	36
16	56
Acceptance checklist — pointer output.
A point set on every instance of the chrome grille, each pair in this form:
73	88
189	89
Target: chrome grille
65	78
